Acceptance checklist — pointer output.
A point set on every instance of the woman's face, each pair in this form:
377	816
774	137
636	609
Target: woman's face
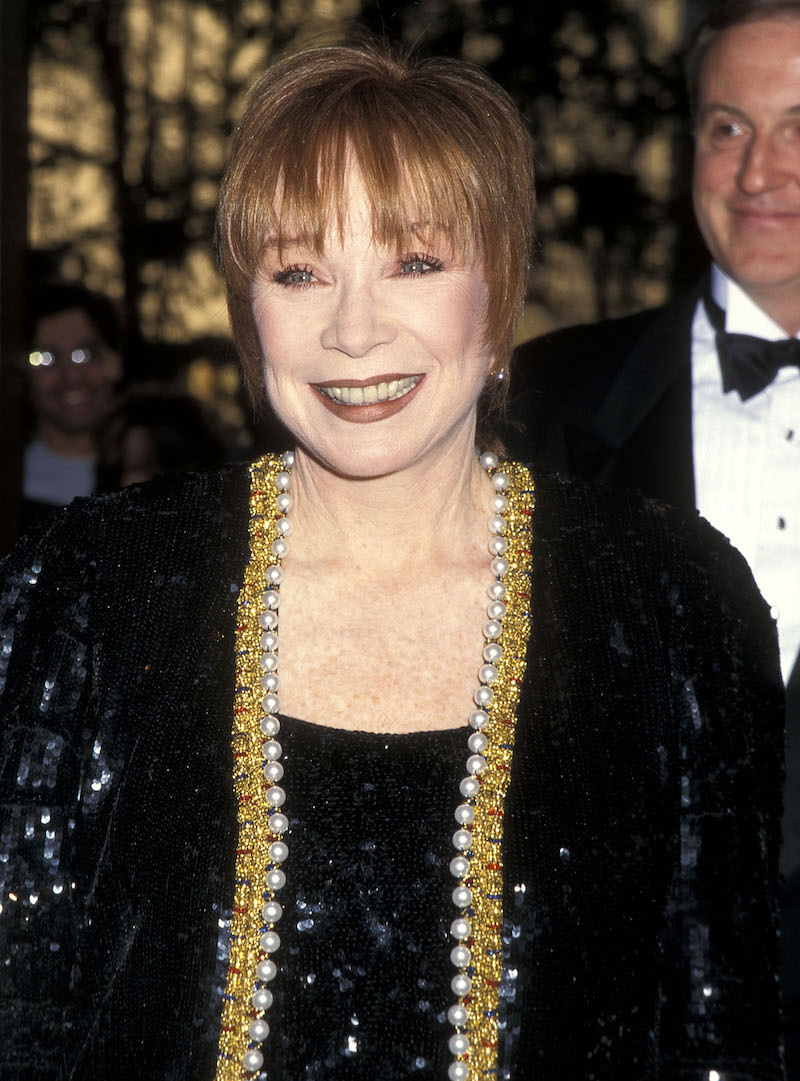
374	361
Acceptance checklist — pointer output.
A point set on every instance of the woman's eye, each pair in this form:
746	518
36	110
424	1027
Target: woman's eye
294	275
415	266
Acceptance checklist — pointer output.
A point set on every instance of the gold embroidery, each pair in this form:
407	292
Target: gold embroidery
252	854
253	862
486	869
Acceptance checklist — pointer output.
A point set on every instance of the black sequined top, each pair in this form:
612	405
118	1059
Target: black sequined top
640	844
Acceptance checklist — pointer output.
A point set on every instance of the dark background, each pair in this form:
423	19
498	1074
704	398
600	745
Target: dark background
116	117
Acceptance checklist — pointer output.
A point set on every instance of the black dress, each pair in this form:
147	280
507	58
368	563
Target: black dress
640	846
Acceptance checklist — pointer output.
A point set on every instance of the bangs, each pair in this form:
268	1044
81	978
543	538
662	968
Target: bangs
421	182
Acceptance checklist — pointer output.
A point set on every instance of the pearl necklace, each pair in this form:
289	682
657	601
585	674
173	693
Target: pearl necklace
262	851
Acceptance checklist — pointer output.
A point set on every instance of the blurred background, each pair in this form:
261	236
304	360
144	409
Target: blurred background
116	115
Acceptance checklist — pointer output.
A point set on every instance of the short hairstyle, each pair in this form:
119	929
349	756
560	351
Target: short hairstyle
722	15
436	140
60	297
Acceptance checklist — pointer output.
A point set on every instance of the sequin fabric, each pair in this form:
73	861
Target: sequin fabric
364	968
640	842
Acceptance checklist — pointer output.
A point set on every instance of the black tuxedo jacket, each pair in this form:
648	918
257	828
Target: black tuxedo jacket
612	402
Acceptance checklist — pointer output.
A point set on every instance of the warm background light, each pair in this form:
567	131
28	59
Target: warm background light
132	103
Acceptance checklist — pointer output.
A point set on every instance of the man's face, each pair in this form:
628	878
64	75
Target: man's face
72	398
747	158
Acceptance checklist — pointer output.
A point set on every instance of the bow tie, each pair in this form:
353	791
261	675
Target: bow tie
749	364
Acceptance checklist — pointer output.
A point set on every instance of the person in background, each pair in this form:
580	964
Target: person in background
698	403
72	368
157	429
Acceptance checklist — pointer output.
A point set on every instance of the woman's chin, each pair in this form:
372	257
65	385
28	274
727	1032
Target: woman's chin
364	462
381	456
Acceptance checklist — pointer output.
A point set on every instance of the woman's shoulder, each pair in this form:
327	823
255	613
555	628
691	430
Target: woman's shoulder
628	536
195	500
566	505
609	555
201	494
136	542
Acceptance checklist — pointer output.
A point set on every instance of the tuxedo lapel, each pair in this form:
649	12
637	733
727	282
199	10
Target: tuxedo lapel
640	435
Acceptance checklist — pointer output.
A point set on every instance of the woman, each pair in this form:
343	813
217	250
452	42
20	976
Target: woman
309	774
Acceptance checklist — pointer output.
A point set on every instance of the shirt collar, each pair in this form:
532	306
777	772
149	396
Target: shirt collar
742	314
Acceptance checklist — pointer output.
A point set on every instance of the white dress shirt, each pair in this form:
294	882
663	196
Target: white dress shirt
747	460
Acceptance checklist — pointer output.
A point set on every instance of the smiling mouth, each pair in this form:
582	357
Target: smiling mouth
765	213
75	399
370	393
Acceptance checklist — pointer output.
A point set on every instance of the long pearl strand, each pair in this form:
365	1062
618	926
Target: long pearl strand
271	751
273	771
461	927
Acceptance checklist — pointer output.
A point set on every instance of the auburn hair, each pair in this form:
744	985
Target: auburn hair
436	141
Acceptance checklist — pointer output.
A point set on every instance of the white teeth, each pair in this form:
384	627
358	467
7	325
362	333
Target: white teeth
373	392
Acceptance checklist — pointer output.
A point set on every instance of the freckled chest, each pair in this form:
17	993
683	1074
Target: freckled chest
390	656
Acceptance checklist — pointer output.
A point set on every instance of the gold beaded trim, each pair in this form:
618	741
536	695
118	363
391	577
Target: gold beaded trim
253	862
255	836
486	866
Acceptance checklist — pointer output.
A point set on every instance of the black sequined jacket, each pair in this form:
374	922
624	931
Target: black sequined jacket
641	829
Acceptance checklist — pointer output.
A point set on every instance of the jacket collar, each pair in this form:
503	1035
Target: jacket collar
660	355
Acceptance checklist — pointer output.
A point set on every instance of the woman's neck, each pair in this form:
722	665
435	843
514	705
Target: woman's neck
417	514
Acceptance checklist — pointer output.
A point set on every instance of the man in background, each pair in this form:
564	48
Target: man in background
72	368
698	403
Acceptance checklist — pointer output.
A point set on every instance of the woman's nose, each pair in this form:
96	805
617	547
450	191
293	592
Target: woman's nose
358	322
